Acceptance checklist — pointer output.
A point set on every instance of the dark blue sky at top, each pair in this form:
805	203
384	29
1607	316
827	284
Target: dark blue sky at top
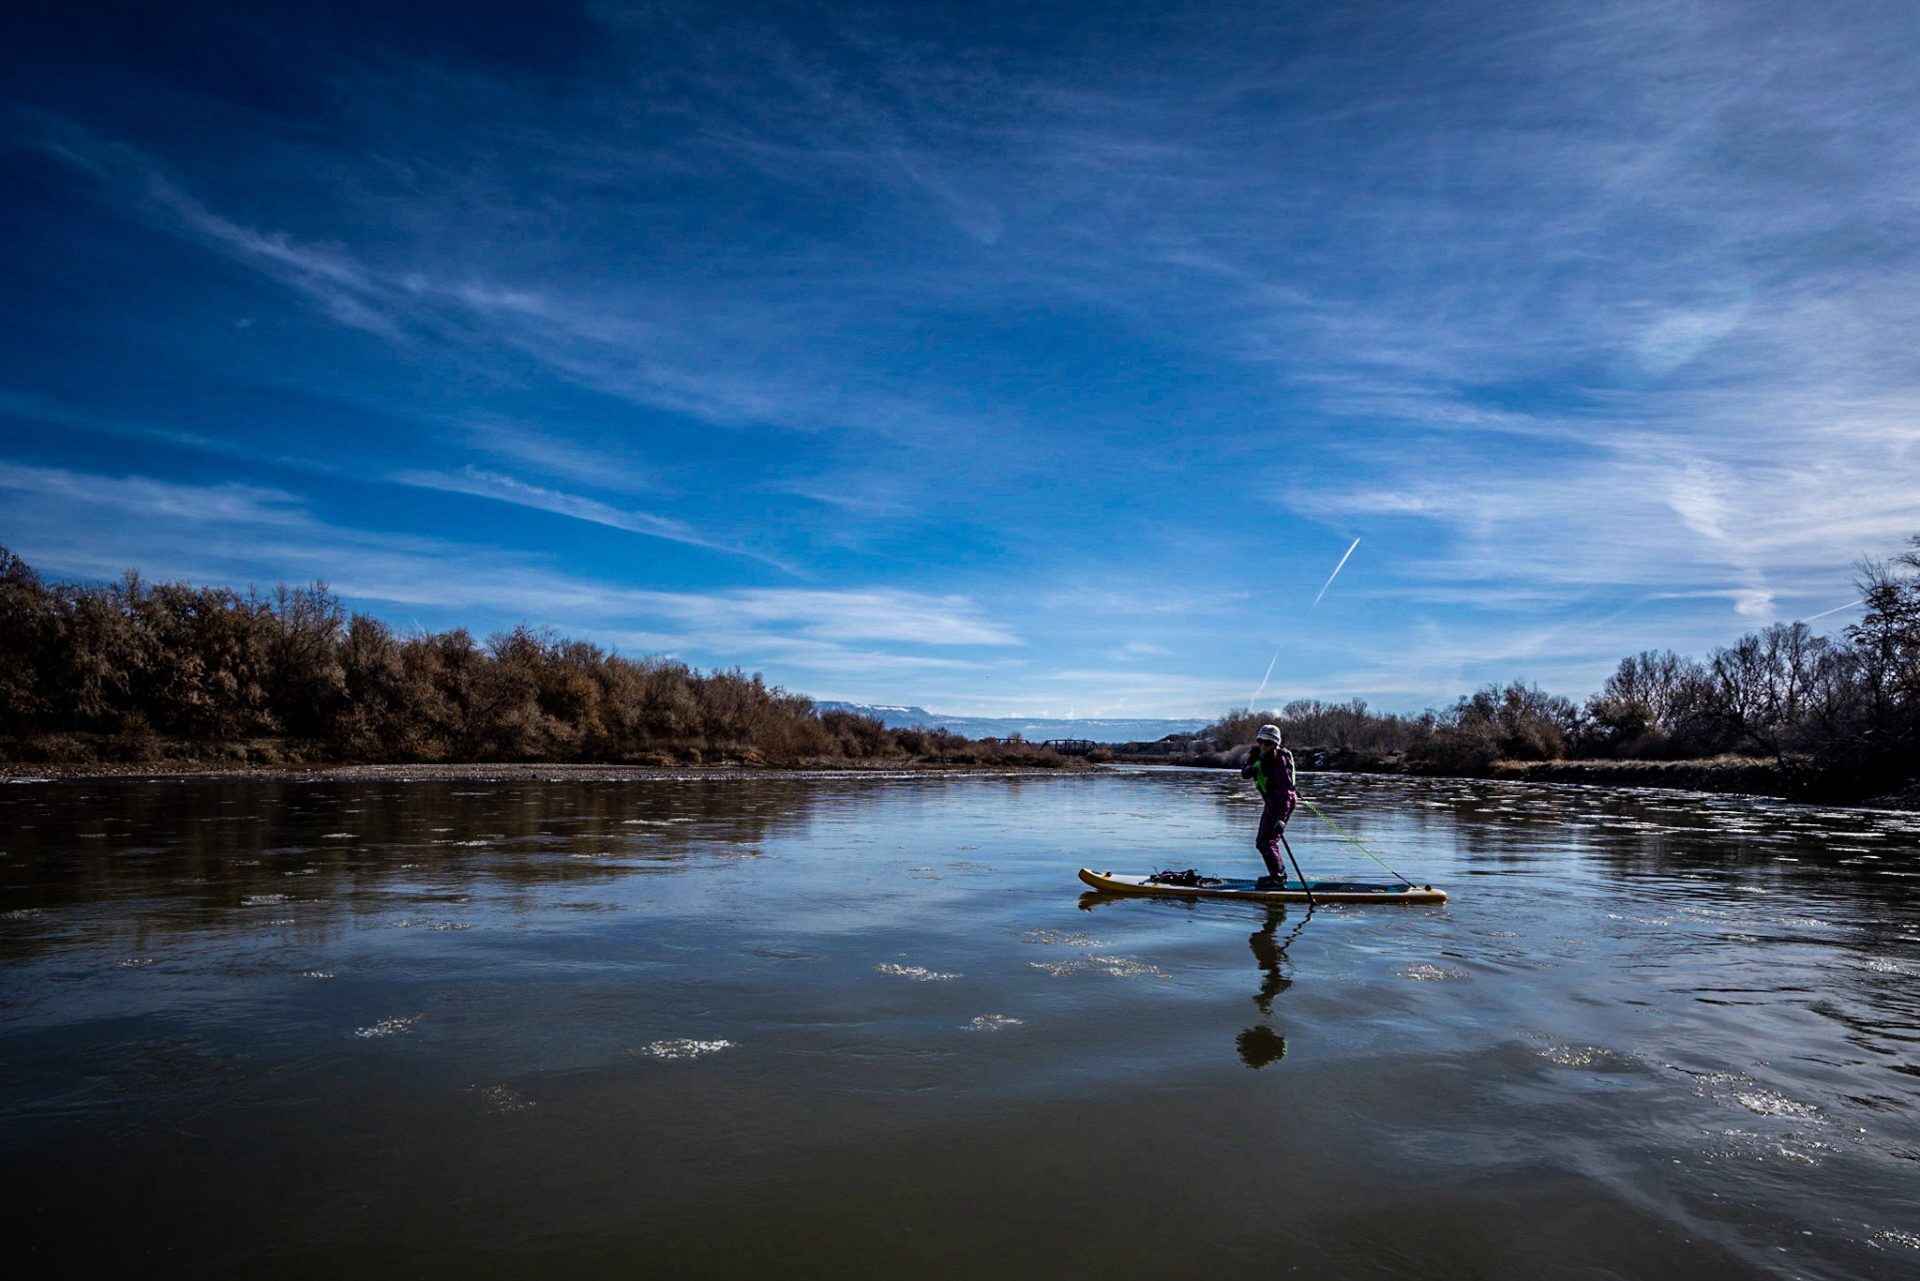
997	358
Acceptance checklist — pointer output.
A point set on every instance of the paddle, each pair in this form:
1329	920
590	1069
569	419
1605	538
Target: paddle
1296	869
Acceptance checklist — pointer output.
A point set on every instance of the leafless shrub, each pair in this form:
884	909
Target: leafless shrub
137	671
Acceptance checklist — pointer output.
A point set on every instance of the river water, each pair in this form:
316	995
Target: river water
873	1027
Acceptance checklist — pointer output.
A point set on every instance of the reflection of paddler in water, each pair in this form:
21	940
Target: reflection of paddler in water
1260	1045
1271	951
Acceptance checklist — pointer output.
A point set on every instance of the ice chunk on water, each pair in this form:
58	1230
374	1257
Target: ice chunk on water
1425	973
1766	1102
502	1099
918	973
683	1048
387	1027
1120	967
991	1023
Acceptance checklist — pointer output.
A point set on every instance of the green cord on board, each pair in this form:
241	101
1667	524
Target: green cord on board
1354	839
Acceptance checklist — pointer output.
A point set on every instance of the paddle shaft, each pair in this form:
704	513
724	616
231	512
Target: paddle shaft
1296	868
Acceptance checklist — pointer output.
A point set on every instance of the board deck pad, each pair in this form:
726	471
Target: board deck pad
1293	892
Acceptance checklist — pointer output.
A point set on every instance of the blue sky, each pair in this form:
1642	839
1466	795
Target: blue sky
1016	359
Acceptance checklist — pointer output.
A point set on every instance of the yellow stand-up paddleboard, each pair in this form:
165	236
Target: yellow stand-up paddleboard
1294	892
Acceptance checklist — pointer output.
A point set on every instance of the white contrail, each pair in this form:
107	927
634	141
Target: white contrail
1316	600
1835	610
1264	679
1335	574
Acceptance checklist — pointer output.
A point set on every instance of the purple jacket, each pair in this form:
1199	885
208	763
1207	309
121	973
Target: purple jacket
1264	778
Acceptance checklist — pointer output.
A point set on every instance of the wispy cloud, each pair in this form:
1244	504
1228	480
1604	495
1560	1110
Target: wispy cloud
728	355
508	489
230	532
887	615
44	411
603	463
53	489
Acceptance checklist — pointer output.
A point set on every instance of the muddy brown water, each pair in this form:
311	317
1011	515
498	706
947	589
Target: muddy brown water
873	1027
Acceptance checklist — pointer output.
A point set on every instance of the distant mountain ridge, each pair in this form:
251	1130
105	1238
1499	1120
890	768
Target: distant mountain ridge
1098	729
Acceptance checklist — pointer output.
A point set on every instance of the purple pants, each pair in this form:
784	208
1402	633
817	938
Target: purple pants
1273	821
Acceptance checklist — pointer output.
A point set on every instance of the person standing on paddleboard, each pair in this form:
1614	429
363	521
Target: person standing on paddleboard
1270	766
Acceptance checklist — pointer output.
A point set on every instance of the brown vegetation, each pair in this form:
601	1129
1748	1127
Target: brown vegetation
133	671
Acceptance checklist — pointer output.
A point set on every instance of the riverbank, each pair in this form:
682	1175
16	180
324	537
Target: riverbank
1795	780
515	772
77	755
1730	775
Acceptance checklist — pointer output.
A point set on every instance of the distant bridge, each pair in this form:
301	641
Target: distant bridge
1071	746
